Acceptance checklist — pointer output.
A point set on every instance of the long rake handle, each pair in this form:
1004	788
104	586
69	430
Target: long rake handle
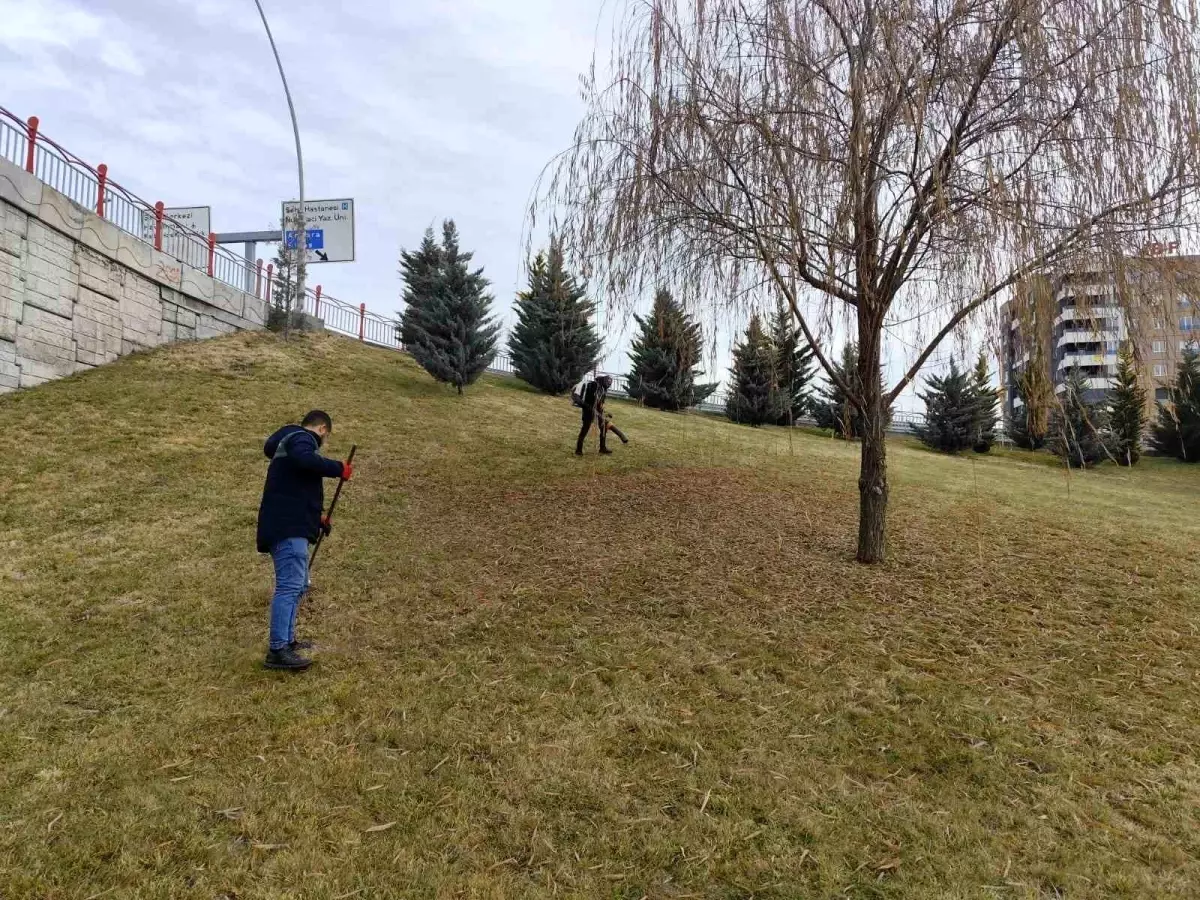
332	505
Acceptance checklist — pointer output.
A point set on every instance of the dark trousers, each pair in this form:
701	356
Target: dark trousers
589	417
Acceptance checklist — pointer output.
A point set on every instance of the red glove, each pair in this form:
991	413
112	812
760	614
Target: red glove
347	471
326	525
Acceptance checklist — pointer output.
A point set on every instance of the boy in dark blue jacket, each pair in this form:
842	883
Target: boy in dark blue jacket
289	519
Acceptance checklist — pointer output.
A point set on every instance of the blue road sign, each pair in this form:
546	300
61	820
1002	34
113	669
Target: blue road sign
314	239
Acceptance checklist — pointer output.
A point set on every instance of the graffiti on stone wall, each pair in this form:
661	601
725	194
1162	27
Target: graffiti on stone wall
164	272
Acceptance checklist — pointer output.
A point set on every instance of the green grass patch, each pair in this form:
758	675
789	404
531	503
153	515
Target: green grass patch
657	674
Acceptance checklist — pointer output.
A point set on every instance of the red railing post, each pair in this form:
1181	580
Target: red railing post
362	319
258	279
212	251
31	134
158	217
270	269
317	308
102	185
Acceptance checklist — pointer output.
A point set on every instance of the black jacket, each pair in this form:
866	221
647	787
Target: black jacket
293	496
593	398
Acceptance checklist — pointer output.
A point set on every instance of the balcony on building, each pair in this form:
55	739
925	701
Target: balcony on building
1098	318
1096	385
1080	338
1101	363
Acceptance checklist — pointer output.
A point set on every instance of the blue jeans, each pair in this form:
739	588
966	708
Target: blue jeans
291	581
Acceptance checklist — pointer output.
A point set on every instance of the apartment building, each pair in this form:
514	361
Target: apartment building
1079	319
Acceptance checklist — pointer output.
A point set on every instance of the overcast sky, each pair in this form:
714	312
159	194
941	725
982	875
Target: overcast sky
419	111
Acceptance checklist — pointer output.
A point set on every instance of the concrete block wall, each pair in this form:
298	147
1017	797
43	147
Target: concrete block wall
77	292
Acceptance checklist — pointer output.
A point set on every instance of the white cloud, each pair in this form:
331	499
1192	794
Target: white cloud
159	133
121	58
542	46
30	25
36	30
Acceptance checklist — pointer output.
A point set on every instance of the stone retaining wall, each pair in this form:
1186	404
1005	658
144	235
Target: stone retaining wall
77	292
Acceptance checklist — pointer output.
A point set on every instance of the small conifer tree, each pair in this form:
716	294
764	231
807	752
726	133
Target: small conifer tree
287	306
445	324
1177	431
665	358
1127	410
986	403
1030	421
554	342
833	410
793	366
1077	425
951	411
754	396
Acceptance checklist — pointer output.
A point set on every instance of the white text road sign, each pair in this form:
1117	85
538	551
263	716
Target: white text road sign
185	247
329	227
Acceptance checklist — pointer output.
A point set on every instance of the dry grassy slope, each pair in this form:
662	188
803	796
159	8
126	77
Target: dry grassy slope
654	675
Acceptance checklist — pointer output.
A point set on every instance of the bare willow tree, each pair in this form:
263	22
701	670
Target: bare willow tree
901	163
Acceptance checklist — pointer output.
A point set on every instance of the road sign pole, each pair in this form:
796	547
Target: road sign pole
248	250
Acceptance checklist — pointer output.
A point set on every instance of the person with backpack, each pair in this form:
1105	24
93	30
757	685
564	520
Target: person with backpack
591	397
289	519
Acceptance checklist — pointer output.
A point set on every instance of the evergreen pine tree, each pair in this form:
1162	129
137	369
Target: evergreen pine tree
832	409
951	411
665	357
1127	410
419	269
793	366
1030	422
754	396
446	328
554	343
1177	432
986	401
1077	426
287	307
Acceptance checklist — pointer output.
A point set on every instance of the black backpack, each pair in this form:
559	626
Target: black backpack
578	392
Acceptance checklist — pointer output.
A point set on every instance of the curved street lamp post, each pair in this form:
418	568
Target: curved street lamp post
301	236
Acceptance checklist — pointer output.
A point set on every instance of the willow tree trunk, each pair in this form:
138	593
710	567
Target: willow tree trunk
872	476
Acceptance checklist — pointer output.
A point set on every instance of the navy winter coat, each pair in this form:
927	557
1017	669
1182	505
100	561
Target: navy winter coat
293	496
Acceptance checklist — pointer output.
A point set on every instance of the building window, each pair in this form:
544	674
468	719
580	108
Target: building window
1160	347
1158	324
1160	370
1185	346
1185	324
1161	394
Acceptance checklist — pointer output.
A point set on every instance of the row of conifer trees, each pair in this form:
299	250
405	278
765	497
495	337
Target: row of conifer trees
1085	430
1075	424
446	325
448	328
